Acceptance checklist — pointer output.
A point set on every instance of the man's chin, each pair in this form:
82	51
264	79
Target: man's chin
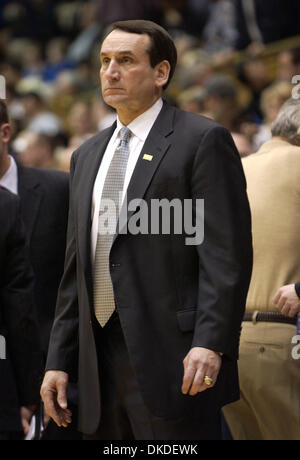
114	100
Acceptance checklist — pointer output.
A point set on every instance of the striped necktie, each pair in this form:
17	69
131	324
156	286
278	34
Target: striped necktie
104	304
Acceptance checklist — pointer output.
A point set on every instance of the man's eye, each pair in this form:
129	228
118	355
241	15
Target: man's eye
126	60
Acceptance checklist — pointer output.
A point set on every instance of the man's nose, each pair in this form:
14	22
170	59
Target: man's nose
113	70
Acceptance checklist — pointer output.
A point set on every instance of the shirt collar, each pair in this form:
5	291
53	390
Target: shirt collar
10	179
141	126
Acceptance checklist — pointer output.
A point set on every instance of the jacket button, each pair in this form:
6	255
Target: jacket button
262	349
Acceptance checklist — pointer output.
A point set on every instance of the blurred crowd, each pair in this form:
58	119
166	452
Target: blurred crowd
228	67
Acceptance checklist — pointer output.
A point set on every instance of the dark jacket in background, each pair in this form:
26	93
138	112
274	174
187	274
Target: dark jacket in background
276	20
21	370
44	199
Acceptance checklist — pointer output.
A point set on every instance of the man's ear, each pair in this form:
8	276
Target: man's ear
162	72
298	131
5	132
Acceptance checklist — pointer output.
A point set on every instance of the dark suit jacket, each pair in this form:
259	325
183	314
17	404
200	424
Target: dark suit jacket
44	198
20	372
169	296
297	287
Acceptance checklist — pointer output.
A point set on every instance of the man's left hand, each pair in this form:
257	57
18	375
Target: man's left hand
287	300
198	363
26	413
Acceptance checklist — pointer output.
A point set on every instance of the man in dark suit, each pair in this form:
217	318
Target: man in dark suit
20	353
150	319
44	197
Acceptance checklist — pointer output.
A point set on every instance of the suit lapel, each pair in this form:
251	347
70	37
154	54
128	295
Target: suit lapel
155	145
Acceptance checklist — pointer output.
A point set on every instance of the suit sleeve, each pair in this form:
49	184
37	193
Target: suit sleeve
297	288
225	255
63	346
19	315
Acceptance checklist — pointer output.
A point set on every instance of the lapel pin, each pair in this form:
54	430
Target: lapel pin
147	157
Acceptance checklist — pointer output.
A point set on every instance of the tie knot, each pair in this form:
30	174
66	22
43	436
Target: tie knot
125	134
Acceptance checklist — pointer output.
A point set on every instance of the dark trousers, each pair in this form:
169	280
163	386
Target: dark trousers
124	415
70	433
11	435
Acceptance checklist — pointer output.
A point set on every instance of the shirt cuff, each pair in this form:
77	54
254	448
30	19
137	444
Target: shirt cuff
297	288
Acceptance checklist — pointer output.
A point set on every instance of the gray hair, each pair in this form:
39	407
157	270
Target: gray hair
287	122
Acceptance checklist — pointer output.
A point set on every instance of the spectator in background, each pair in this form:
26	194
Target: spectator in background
220	33
37	118
80	121
269	376
66	93
178	16
288	64
56	61
195	70
12	71
119	10
33	19
103	115
285	66
242	144
271	101
20	353
32	61
296	60
253	73
220	100
2	9
81	125
192	100
89	33
185	16
35	150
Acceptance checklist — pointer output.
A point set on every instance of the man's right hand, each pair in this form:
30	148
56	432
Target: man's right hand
287	300
54	396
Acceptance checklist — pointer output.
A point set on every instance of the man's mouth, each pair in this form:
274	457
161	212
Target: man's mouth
114	89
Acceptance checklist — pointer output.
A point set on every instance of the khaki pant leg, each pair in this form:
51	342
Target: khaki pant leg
242	421
270	385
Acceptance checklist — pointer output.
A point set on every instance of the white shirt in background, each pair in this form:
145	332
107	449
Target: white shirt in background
10	179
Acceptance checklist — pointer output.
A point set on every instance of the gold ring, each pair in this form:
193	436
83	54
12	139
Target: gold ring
208	381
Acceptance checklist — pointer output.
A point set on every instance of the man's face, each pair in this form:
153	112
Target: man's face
4	140
128	81
1	143
32	153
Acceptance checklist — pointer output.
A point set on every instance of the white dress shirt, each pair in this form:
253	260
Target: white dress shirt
10	179
140	128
